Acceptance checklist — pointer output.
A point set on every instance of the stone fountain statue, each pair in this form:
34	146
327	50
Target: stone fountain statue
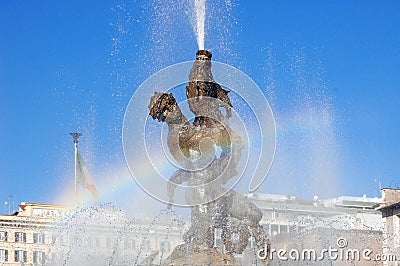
193	145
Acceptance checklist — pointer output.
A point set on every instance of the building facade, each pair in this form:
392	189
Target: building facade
297	225
25	236
45	234
41	234
285	214
390	209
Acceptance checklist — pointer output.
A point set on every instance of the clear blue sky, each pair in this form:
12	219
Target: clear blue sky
329	68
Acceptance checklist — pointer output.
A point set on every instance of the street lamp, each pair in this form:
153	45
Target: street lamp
75	136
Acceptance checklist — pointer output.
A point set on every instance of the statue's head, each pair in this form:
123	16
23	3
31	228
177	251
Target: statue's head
162	107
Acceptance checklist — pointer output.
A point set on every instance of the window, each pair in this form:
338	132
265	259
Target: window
3	236
97	242
284	229
127	244
3	255
165	246
20	237
38	238
396	230
292	228
146	244
89	242
20	255
38	257
110	243
274	229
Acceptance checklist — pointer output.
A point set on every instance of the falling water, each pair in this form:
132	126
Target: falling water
200	7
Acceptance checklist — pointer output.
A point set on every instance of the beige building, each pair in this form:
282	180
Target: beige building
55	235
285	214
299	225
47	234
25	236
390	209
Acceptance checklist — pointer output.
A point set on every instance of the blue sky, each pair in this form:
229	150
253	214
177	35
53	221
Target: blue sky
330	70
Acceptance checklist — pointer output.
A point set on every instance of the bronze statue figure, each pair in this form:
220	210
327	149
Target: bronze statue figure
193	146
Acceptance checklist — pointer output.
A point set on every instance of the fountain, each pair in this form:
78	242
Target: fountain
194	146
208	150
104	235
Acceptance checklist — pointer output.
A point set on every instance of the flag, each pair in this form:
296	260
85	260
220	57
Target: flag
84	178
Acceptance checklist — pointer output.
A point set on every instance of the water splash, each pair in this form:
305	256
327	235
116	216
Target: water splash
104	235
200	9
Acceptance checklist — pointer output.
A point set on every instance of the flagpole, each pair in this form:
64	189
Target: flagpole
75	136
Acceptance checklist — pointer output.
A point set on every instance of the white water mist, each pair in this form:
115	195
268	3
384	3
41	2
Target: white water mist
200	10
